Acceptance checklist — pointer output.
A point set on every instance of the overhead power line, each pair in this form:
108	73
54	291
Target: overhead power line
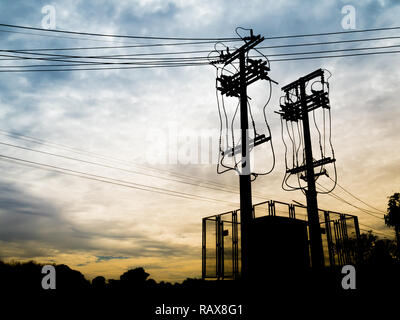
205	42
189	64
108	68
334	56
307	44
335	196
48	56
142	61
357	198
113	181
196	180
193	38
138	61
57	36
115	168
116	35
330	33
375	230
199	51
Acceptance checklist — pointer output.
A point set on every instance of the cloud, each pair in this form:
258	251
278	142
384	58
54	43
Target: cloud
124	115
108	258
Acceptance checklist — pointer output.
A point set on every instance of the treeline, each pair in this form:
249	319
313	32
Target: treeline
136	293
376	255
27	276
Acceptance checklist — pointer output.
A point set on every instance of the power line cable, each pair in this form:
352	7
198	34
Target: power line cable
335	50
375	230
111	167
111	180
164	64
116	160
116	35
57	36
157	61
335	196
334	56
328	42
357	198
107	68
330	33
206	42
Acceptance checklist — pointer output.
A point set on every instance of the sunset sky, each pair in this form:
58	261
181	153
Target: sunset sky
125	118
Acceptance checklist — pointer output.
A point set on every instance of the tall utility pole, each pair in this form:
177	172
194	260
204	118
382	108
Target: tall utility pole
236	86
246	206
317	253
295	111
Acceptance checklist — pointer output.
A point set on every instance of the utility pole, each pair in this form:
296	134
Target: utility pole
246	206
317	253
236	86
295	111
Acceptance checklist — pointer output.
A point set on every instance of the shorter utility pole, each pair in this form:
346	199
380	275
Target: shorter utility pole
295	111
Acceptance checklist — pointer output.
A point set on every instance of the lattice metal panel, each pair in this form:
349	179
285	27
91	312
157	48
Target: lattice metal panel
221	237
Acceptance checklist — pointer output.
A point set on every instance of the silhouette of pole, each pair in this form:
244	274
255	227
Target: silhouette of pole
317	255
244	177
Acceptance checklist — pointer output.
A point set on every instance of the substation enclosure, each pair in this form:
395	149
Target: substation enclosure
277	244
278	240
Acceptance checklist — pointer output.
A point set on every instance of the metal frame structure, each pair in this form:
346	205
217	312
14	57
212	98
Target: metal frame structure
221	252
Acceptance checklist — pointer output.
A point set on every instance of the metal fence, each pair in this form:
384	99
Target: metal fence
221	237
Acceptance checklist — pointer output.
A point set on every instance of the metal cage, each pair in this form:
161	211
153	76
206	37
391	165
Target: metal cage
221	257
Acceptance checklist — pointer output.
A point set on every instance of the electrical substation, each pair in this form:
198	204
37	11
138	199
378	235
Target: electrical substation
273	235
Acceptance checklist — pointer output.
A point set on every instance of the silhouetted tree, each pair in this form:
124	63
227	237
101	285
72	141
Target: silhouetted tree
366	244
134	278
392	218
69	279
99	283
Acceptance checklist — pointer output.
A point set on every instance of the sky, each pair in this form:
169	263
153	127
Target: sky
140	119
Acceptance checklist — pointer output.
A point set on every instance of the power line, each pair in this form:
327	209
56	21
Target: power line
118	56
111	68
136	61
116	35
59	36
163	59
335	50
187	64
112	167
332	194
374	229
357	198
147	61
330	33
116	160
205	42
378	232
194	38
328	42
334	56
111	180
163	62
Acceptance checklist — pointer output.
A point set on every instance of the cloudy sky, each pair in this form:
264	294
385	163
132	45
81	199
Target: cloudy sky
128	119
